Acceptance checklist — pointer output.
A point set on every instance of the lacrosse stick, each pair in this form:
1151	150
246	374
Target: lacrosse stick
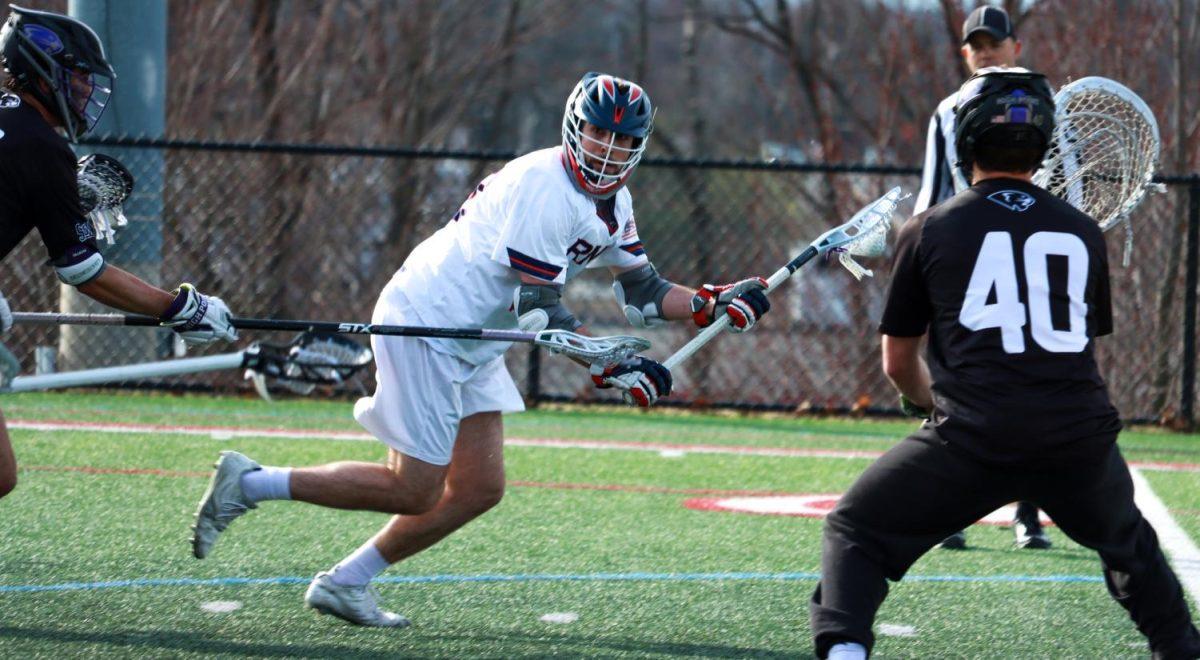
864	236
308	361
104	185
1103	152
592	350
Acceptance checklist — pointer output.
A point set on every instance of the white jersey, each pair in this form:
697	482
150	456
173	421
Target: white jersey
527	218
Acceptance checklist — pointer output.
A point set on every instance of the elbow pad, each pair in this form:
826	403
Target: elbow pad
79	265
539	307
640	293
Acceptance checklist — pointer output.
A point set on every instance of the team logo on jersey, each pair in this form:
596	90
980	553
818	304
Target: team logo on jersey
83	231
9	101
1013	200
44	38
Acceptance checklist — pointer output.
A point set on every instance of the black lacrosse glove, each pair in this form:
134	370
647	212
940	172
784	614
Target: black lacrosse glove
911	409
641	380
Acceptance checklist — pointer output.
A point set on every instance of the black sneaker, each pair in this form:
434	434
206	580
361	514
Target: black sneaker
956	541
1027	529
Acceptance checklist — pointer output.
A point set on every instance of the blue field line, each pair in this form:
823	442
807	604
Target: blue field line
583	577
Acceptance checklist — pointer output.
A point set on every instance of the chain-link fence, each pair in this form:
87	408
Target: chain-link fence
315	232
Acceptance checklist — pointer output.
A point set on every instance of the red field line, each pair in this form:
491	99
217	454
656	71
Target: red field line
222	432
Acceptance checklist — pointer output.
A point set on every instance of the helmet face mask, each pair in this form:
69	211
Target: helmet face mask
61	62
1010	107
600	161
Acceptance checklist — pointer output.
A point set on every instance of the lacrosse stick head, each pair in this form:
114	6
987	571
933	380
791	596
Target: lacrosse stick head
311	359
104	185
592	350
1104	149
865	235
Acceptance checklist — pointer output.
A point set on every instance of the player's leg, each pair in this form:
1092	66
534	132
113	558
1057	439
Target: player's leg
474	484
415	410
1092	503
899	508
8	460
1027	528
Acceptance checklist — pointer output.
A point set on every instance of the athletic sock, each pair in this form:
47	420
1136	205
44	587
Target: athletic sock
360	567
268	483
847	651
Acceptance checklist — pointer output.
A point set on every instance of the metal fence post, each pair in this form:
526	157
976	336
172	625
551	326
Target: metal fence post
1188	386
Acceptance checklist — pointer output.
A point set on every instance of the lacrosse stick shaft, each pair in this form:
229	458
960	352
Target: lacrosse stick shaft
484	334
778	277
127	372
590	349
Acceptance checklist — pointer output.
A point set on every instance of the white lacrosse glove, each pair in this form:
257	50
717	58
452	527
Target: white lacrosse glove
199	319
744	301
641	380
6	319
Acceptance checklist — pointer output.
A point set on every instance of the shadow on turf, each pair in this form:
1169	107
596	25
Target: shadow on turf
142	642
590	645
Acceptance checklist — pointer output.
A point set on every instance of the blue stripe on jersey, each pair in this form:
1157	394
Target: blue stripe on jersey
527	264
635	249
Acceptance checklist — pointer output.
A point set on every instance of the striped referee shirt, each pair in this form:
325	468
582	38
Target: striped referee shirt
940	178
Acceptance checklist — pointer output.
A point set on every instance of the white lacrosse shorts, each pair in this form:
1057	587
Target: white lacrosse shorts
421	394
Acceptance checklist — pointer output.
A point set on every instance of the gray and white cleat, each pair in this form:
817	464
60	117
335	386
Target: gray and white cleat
222	502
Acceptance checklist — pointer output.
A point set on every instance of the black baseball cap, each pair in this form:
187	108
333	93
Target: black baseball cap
992	20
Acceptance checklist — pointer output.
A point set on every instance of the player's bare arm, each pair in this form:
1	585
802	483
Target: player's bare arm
118	288
906	369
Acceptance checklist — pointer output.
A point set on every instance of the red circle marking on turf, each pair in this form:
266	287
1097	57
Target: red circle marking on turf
814	506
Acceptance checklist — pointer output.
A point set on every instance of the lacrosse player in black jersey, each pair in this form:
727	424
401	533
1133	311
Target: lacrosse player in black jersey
988	39
1010	284
57	82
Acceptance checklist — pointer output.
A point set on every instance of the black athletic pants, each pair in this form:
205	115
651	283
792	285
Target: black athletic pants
923	490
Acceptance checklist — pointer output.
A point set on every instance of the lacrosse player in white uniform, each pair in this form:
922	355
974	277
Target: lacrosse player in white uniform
501	262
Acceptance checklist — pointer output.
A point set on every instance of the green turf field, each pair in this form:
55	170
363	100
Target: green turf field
95	559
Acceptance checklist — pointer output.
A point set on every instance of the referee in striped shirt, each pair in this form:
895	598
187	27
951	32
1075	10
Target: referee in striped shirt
988	39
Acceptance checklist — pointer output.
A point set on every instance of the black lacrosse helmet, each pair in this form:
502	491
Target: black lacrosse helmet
1011	107
65	54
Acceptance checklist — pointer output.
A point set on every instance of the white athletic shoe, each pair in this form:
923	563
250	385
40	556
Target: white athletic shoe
222	502
358	605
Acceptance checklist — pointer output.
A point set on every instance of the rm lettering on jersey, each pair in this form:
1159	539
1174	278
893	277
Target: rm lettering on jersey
582	252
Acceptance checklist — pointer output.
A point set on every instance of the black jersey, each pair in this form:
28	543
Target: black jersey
1012	285
38	184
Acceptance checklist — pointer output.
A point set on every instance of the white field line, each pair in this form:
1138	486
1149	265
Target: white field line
1176	543
228	433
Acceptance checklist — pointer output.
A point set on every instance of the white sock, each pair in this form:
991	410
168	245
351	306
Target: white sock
360	567
268	483
847	651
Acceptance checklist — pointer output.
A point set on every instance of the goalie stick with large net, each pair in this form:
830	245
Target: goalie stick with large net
1103	152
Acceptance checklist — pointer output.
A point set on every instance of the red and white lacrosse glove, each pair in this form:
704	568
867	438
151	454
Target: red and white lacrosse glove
744	301
641	380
